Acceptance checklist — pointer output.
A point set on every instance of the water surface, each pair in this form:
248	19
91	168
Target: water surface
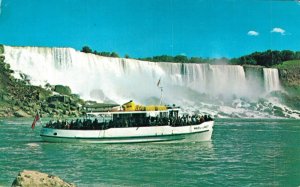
250	152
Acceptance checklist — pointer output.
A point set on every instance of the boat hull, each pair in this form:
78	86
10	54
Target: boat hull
192	133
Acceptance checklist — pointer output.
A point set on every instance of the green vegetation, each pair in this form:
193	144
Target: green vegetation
267	58
288	64
185	59
289	72
1	49
87	49
64	90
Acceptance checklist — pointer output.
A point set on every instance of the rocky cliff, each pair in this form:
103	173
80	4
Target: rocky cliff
20	99
289	73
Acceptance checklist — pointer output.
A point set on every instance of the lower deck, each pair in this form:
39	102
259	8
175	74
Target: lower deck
200	132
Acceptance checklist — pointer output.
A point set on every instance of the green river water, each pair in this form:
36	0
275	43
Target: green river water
243	152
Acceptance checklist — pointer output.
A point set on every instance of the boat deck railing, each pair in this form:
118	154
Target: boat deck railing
88	124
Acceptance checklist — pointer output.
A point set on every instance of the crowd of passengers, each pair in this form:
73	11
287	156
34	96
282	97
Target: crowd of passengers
89	124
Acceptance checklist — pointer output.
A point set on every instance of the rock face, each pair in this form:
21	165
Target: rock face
20	99
20	113
29	178
290	77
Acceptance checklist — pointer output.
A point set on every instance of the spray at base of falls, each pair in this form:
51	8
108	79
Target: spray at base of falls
201	87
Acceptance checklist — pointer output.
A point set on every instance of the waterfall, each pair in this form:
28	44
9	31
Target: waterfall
118	79
225	90
228	79
271	79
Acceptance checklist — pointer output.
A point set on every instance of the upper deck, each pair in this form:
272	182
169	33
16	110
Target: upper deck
131	108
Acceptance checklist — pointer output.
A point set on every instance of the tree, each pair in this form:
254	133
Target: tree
196	60
276	57
181	58
96	52
163	58
86	49
105	53
251	61
127	56
297	55
287	55
114	54
234	61
146	59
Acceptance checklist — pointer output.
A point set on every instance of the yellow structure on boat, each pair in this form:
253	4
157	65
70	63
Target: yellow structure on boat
131	106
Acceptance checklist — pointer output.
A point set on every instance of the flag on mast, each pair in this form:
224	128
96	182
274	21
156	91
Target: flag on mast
36	119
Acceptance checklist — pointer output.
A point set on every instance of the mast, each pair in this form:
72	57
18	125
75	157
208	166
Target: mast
161	95
161	91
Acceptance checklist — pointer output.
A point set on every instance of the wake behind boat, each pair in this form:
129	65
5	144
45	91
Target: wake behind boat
131	123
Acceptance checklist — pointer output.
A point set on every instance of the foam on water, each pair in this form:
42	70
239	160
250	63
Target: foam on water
33	145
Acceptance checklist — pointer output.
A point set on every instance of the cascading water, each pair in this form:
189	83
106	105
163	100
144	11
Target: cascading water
108	79
271	79
228	79
122	79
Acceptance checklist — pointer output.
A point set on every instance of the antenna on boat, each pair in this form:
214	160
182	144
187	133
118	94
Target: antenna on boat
161	91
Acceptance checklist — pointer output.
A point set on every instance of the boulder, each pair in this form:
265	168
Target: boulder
21	113
29	178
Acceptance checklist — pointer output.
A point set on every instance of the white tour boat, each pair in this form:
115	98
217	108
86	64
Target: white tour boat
132	123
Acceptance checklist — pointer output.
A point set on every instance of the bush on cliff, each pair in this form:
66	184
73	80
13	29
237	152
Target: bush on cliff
65	90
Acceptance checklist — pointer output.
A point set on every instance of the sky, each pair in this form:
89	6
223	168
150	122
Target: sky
143	28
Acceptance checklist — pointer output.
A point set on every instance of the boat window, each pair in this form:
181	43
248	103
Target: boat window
173	113
163	114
